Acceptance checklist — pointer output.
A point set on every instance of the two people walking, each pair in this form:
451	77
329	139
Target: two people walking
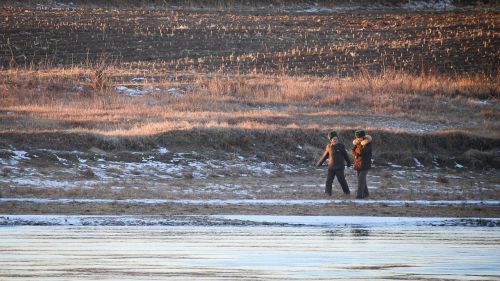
337	157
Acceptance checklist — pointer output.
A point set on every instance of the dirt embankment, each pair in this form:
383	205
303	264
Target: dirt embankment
294	146
301	210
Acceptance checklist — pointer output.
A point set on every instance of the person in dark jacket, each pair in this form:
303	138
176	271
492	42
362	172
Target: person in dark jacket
337	157
362	152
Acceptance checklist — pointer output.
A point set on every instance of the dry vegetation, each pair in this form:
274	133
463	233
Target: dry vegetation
264	115
67	100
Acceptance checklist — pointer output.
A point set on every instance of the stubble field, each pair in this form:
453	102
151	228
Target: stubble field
289	40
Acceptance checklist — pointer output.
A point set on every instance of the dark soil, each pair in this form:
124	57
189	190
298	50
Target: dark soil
271	41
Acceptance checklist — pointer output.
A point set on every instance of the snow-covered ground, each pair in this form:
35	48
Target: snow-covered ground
161	176
162	181
251	202
412	5
20	168
141	90
433	5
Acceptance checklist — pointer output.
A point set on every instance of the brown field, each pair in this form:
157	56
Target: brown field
265	84
163	42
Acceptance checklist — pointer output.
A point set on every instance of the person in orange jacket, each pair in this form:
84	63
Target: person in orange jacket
337	157
362	152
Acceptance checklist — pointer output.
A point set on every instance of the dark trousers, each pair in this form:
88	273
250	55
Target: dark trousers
362	186
340	177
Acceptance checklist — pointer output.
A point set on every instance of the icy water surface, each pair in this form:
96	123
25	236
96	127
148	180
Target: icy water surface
195	252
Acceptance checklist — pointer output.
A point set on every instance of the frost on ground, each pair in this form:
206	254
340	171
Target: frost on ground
140	90
193	175
424	5
163	177
255	202
439	5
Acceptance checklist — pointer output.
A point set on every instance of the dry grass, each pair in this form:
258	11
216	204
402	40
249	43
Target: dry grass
68	100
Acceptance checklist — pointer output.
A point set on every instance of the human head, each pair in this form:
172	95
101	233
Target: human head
360	134
332	135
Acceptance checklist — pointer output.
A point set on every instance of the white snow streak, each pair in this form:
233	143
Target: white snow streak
250	202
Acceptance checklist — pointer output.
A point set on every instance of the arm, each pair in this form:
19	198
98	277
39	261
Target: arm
366	150
346	157
354	153
322	159
355	143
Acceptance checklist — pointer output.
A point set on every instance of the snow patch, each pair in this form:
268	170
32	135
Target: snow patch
394	165
134	91
480	102
163	150
319	9
175	92
82	161
62	160
20	155
56	5
429	5
44	183
79	88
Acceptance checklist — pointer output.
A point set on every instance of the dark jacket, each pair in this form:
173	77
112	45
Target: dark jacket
336	155
362	152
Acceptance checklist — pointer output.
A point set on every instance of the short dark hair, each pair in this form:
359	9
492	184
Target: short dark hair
332	135
360	133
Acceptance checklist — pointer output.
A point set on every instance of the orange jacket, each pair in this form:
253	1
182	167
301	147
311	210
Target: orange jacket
336	155
362	152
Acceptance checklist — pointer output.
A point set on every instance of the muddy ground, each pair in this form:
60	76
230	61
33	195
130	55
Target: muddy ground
326	210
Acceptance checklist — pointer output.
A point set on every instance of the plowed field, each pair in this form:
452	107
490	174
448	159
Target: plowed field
335	43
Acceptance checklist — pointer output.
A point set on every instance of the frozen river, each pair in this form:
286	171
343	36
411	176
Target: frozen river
323	250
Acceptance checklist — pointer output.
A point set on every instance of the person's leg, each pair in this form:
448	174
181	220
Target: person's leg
362	187
329	182
343	183
366	185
